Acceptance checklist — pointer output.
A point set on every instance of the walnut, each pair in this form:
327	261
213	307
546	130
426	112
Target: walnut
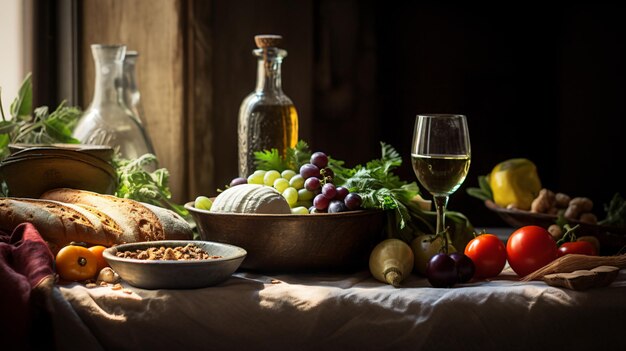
562	200
169	254
543	202
578	206
556	231
153	254
589	218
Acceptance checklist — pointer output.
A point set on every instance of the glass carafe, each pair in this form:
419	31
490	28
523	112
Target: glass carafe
108	120
132	96
267	117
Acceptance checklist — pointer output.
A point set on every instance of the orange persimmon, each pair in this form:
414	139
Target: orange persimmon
97	250
76	263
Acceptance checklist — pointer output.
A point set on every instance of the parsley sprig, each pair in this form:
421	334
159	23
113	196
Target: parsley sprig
294	158
137	182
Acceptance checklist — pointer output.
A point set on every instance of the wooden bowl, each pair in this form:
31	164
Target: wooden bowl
296	243
103	152
612	239
33	175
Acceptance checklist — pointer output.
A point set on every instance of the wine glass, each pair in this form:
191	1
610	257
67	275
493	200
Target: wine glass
440	156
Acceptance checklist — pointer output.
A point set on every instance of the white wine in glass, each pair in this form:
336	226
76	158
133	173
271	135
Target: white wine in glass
441	157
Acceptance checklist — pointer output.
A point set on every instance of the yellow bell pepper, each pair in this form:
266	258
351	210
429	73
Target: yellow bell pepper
515	182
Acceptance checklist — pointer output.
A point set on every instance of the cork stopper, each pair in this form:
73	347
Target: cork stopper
267	40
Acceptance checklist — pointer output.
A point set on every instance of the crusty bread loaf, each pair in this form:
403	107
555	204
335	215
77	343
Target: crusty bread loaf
66	215
58	223
175	226
107	221
138	221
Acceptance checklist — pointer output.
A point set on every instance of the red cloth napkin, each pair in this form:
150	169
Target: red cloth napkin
25	260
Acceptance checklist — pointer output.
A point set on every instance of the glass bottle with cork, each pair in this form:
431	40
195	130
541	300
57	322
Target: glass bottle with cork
267	117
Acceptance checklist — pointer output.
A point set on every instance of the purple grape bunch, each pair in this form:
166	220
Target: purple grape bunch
318	179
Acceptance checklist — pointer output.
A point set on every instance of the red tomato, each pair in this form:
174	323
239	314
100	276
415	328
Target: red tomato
577	247
488	253
530	248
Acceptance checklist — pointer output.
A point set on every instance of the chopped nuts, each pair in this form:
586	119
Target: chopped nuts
188	252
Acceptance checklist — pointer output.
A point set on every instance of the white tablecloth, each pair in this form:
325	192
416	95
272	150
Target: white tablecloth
341	312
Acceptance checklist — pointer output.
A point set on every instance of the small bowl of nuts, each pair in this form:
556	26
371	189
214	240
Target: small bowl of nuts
174	264
576	211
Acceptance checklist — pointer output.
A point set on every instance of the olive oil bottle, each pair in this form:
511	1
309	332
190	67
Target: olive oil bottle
267	117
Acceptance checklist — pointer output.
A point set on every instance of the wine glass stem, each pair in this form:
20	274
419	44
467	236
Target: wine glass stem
441	201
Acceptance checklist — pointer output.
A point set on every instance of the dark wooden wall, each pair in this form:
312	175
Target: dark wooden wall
235	23
543	83
546	83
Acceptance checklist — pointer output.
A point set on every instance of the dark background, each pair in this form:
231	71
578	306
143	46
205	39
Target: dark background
547	84
542	82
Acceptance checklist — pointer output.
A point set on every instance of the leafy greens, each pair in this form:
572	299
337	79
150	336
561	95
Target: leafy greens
381	189
294	158
615	212
137	183
38	126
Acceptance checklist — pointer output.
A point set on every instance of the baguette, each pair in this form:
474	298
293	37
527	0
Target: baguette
175	226
138	221
58	223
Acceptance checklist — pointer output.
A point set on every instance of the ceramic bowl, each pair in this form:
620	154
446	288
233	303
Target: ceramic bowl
181	274
296	243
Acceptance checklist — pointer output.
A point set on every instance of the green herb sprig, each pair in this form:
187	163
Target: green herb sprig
483	192
293	159
615	212
36	126
136	182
